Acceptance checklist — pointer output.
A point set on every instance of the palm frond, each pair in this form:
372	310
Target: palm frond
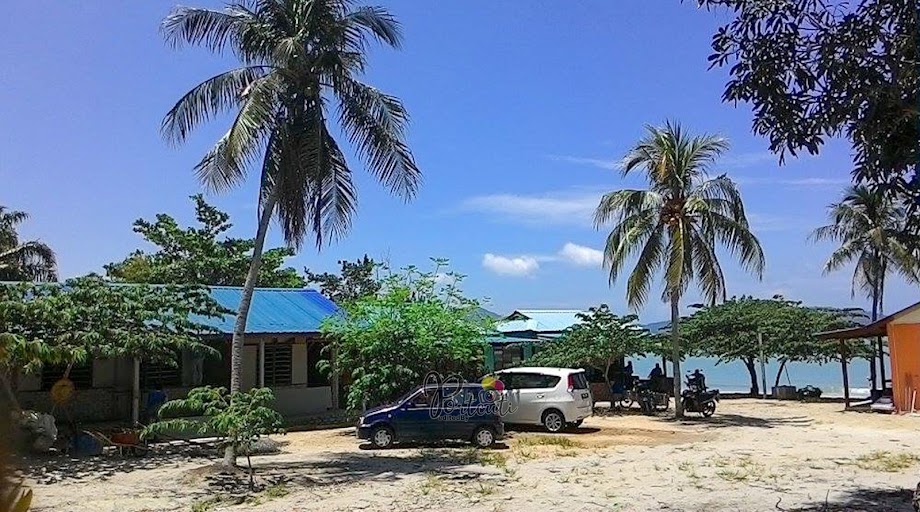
214	96
375	124
640	280
379	22
205	27
738	239
626	238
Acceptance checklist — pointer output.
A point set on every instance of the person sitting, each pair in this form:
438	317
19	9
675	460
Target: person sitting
656	373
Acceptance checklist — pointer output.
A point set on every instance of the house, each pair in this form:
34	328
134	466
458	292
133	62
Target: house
282	347
903	332
517	334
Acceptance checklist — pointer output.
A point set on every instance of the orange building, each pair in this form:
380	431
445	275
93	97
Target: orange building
903	332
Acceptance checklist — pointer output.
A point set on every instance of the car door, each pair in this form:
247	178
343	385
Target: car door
534	391
413	421
510	404
454	416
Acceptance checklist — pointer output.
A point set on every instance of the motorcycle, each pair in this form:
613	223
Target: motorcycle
697	398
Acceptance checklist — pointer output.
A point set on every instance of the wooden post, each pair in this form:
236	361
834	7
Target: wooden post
763	365
136	393
846	376
262	363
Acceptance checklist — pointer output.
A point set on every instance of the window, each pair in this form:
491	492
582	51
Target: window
215	370
80	374
422	399
507	356
315	377
529	380
579	380
278	363
156	374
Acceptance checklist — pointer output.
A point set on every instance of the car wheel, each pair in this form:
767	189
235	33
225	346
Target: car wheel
576	424
484	437
382	437
553	421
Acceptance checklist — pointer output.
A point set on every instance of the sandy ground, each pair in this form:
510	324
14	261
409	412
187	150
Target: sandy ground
750	456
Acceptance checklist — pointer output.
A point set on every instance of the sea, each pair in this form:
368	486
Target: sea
732	377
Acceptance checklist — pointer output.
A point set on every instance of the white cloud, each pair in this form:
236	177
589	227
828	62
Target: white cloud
581	255
574	208
519	266
595	162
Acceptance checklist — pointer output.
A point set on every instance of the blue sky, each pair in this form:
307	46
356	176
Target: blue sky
520	112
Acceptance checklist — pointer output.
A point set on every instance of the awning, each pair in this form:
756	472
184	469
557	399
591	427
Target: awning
873	330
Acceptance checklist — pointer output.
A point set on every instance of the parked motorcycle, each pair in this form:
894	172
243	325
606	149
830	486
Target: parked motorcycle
697	398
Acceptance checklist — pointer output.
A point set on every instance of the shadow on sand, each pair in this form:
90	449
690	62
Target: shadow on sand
50	469
737	420
861	500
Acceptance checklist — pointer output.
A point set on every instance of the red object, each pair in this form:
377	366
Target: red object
571	382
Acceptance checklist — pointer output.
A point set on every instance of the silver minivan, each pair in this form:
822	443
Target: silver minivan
552	397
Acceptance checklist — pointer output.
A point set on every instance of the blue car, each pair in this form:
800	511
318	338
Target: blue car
467	412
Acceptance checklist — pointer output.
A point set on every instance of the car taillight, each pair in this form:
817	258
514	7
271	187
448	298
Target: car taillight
571	382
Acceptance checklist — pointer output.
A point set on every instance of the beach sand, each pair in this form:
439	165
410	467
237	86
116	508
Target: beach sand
751	456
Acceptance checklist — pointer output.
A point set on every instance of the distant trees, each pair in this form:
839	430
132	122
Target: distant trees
386	343
677	224
356	279
600	339
729	332
201	255
23	261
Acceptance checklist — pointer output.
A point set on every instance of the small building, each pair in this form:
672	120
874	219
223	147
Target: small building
519	334
282	347
903	332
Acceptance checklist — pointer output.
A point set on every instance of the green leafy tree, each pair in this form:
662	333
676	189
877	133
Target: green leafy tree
871	229
88	317
239	419
729	332
23	261
677	224
599	340
385	344
356	279
201	255
299	58
819	69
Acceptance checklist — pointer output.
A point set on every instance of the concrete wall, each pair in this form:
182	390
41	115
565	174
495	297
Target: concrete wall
301	400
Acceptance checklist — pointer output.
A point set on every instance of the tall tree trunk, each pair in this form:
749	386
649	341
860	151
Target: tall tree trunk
239	328
675	354
779	374
664	366
752	370
5	379
876	312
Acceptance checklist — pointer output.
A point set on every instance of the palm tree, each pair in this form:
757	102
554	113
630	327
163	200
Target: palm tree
26	261
676	224
301	61
870	226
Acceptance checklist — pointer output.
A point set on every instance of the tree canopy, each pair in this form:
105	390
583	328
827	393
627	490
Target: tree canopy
385	344
729	331
87	317
200	255
356	279
23	261
599	340
818	69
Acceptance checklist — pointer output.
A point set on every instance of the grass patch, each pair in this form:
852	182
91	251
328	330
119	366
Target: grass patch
886	462
205	505
432	484
562	442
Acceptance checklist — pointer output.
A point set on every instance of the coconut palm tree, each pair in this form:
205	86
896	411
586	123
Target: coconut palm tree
300	66
676	224
870	226
22	261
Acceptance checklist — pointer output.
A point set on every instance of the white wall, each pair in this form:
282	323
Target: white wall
301	400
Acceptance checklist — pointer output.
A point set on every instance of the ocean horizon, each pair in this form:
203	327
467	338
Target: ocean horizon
732	377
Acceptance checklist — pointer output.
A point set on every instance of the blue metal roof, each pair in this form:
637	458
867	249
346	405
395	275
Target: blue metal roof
539	320
273	310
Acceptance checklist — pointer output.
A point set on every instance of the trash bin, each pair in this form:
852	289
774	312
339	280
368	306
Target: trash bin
785	393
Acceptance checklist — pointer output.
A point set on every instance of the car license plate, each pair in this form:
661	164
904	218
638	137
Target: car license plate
584	395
